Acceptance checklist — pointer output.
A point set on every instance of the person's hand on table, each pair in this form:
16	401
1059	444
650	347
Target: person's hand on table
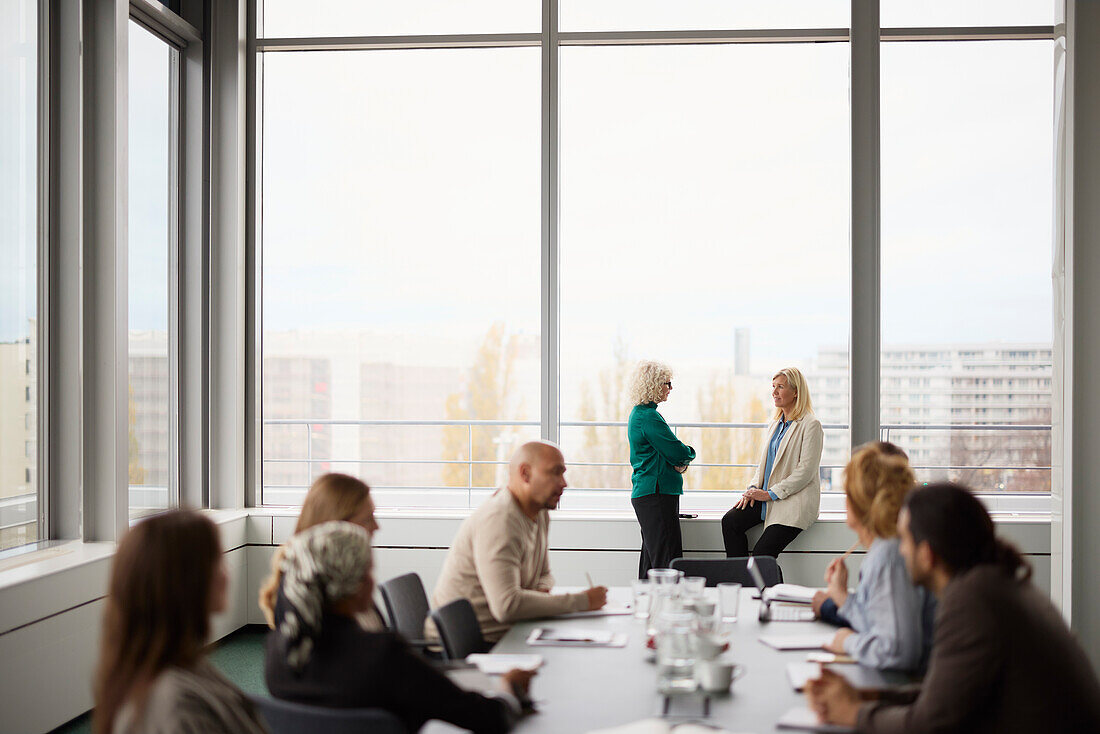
833	699
518	683
597	597
818	600
837	643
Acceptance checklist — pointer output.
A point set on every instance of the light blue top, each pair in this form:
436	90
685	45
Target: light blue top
891	617
773	449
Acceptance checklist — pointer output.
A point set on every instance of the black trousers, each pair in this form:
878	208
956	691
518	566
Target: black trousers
737	522
659	516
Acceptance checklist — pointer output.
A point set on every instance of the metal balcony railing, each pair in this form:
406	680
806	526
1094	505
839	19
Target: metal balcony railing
310	460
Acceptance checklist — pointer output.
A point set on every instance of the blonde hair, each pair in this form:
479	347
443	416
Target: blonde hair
876	481
647	381
802	404
331	497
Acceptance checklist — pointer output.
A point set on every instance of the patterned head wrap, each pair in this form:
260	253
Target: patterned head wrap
321	565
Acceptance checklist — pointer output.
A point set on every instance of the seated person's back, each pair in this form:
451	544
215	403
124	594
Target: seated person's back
167	577
1002	658
319	655
499	559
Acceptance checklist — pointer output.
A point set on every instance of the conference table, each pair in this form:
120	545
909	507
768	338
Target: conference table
581	689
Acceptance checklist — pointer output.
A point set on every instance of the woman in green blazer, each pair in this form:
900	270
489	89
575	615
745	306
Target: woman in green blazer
659	460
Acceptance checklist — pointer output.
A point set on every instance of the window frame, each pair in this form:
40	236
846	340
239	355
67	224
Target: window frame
864	36
140	15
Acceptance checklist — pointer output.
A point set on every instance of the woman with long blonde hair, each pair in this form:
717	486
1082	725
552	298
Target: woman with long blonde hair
786	483
332	496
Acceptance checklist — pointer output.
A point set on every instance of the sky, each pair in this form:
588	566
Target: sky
703	188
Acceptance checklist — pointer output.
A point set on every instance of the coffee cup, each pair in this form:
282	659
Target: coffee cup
716	676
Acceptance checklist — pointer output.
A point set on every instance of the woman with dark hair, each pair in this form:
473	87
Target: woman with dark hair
332	496
1002	657
317	653
166	580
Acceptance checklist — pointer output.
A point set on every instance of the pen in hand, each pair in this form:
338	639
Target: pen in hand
589	577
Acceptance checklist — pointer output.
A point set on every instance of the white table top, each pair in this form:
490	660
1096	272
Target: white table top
579	689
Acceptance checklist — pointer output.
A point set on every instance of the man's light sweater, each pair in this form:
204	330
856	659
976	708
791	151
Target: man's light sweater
499	561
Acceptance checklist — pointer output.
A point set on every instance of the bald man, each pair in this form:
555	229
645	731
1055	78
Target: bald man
499	559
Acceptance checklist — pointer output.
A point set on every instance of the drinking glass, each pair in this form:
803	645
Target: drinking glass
642	597
729	597
693	586
662	590
675	657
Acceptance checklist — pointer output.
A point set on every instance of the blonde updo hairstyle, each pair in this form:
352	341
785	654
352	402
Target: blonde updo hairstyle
647	381
877	480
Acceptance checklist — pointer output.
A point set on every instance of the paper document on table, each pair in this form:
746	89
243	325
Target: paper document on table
799	673
660	726
608	611
499	663
812	641
803	719
791	592
571	637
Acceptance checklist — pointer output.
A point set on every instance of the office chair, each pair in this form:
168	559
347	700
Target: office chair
286	717
407	608
459	630
721	570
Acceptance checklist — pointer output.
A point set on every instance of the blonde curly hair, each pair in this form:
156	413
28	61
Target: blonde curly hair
647	381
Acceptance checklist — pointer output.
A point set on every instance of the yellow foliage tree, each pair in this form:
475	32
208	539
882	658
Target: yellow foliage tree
486	397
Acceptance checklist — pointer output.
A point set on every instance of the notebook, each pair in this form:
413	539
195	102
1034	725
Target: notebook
806	641
573	637
803	719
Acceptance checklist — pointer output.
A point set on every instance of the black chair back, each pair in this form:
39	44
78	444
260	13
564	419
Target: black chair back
287	717
406	605
459	630
731	570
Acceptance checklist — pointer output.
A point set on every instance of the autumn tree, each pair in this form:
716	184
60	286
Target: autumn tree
136	470
487	396
718	402
605	444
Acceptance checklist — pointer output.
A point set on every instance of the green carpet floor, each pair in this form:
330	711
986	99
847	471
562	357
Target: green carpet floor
240	656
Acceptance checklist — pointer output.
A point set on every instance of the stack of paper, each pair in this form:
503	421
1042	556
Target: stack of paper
791	593
811	641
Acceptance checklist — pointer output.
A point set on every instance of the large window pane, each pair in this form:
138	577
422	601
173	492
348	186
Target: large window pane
661	15
151	220
400	280
967	197
704	224
297	19
18	273
929	13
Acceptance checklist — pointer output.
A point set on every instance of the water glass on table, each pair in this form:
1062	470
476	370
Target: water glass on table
675	653
641	590
729	598
693	586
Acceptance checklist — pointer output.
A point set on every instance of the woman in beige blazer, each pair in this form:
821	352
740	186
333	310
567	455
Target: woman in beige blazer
786	488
